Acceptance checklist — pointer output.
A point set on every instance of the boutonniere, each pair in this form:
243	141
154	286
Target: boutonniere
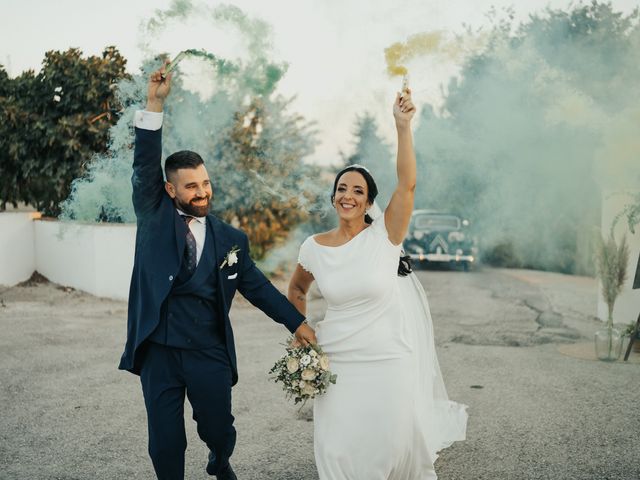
231	258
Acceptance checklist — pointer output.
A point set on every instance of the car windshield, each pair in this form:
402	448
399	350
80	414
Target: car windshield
436	222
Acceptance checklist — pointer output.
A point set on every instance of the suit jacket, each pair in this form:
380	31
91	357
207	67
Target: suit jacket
160	242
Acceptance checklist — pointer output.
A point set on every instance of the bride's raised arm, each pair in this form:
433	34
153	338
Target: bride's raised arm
398	212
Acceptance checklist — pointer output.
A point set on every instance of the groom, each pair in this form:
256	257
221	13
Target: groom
188	266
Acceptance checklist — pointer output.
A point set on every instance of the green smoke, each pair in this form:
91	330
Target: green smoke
252	144
533	130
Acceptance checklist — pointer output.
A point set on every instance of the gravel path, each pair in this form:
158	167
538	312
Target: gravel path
535	413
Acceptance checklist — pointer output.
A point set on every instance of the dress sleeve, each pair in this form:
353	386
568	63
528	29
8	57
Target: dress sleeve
380	230
305	256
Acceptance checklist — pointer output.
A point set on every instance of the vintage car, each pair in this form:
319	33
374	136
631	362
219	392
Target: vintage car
440	238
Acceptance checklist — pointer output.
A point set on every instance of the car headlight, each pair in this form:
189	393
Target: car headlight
416	249
456	237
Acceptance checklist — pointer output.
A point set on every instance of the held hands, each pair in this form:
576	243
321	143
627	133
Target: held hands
403	109
304	335
158	89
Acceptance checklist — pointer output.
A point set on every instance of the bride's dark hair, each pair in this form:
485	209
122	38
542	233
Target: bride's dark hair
404	267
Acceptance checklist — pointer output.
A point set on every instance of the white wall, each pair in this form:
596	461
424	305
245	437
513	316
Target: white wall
627	306
17	255
95	258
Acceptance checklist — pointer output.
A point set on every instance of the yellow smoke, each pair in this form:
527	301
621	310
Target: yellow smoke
427	43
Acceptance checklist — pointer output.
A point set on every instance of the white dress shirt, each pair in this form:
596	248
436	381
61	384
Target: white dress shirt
198	227
153	121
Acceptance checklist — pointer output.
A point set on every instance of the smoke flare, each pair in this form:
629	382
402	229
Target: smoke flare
426	43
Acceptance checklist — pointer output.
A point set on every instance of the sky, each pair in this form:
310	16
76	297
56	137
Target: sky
334	48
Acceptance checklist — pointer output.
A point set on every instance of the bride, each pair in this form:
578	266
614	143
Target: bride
389	414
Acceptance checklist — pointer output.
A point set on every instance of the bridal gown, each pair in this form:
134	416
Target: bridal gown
389	414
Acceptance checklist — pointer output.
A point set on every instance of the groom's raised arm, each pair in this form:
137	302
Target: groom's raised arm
147	179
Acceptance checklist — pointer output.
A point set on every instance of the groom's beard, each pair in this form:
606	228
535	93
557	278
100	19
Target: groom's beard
195	210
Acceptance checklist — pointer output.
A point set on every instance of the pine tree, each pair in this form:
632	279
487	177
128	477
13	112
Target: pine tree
372	152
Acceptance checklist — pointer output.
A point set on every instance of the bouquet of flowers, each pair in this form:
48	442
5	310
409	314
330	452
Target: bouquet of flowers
303	371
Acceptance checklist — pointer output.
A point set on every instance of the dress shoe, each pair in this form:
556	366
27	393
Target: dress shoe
227	474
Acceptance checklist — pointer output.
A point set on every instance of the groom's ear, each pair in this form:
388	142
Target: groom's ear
171	190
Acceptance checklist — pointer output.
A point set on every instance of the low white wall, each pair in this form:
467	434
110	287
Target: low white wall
17	255
95	258
627	306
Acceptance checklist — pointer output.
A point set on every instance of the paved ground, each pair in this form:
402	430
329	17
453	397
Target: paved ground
535	413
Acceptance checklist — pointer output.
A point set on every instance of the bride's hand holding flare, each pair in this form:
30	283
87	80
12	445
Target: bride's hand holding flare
403	109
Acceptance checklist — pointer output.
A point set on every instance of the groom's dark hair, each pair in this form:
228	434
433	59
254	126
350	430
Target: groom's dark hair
181	159
372	188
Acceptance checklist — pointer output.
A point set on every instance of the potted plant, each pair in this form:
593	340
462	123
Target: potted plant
611	267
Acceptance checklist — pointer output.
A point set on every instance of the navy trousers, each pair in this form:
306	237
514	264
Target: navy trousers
205	376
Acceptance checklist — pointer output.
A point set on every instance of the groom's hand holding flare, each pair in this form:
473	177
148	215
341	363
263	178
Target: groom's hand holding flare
158	89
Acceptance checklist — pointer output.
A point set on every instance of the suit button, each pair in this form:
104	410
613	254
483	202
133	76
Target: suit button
170	315
170	278
188	340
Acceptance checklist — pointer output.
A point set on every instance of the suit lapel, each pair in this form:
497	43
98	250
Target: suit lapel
181	234
215	230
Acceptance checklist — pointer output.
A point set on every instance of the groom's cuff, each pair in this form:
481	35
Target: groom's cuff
148	120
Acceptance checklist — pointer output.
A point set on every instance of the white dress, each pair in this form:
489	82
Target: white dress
389	414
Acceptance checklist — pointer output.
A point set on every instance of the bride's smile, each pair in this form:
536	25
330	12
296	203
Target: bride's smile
351	196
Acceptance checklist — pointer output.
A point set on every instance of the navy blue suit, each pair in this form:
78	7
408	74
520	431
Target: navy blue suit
179	337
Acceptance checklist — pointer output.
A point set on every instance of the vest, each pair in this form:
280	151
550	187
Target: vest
189	316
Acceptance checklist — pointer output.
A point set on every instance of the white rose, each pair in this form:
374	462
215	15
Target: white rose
308	374
308	389
301	384
232	259
305	360
324	362
292	365
313	353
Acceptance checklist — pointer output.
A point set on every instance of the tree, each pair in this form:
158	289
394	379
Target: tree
53	122
267	189
372	152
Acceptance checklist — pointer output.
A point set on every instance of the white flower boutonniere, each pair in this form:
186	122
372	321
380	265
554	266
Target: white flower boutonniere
231	258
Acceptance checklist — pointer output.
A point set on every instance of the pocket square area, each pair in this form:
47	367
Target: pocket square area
231	277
